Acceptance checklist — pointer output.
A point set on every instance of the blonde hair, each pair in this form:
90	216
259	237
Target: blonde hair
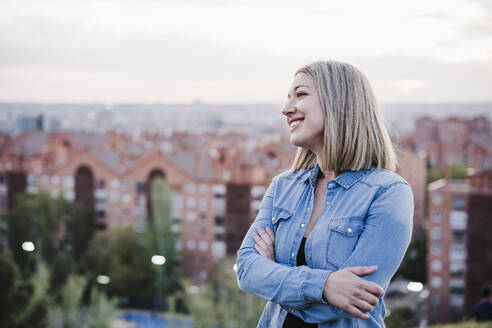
355	134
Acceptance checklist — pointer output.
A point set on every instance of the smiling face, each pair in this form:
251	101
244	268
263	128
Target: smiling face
304	114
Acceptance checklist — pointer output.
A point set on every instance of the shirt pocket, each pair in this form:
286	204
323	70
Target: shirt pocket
343	236
280	216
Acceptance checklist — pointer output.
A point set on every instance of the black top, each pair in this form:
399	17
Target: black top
291	321
483	311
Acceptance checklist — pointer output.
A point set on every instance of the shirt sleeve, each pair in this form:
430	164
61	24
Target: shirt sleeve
383	242
295	287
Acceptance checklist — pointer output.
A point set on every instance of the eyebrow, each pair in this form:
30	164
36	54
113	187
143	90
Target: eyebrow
297	87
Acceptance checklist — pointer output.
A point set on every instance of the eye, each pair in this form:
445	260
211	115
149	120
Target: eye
301	93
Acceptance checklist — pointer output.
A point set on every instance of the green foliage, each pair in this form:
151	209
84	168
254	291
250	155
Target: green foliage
121	254
414	264
71	314
465	324
23	303
222	304
58	229
458	172
399	318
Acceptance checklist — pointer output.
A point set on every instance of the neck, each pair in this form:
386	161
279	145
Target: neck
328	175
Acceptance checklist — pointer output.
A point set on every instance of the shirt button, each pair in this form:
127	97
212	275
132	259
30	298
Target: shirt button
309	256
331	185
303	225
273	218
293	255
349	230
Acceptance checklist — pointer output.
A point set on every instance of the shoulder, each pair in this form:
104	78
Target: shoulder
300	175
383	179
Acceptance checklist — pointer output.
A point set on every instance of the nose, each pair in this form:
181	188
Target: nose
289	109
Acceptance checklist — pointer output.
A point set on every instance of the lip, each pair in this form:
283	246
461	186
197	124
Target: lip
293	120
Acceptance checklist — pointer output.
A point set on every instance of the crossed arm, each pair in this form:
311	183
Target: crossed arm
319	295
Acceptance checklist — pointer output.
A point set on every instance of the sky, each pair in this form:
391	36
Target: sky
241	51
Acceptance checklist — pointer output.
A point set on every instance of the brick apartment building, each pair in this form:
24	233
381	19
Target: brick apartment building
459	245
218	181
453	141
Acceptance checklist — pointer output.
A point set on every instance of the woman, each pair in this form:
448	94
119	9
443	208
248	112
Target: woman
331	231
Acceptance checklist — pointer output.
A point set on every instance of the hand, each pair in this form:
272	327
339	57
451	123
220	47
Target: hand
346	290
265	242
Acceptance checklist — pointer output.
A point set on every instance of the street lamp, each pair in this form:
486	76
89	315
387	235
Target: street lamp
103	279
158	260
28	246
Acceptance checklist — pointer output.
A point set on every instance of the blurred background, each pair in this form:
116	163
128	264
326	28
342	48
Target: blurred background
137	139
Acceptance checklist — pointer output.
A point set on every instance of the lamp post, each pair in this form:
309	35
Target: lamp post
158	261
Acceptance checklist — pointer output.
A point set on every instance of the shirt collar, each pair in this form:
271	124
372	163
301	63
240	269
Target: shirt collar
347	179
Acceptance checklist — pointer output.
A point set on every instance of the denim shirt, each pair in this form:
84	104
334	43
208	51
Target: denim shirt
366	220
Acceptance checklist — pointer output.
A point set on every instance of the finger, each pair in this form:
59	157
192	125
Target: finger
363	270
260	242
373	288
261	251
271	233
356	312
369	298
265	236
363	305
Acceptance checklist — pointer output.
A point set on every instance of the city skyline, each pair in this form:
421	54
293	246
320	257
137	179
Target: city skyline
246	52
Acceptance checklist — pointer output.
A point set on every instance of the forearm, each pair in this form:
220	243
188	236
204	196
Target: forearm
295	287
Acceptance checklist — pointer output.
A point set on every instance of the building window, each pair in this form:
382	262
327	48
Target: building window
437	199
191	244
436	216
140	187
203	188
191	187
457	286
55	180
257	192
219	220
203	204
436	282
457	252
255	205
100	196
203	230
219	190
191	216
191	202
457	269
436	233
219	205
436	265
457	301
115	184
101	213
102	184
459	203
190	258
458	220
203	246
436	300
219	236
126	198
458	236
436	249
203	260
3	179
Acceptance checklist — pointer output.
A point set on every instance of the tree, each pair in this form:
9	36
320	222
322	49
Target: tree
414	264
23	302
59	229
222	304
162	240
121	254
